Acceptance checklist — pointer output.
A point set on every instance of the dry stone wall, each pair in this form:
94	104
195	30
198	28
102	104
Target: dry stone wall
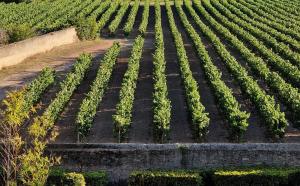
120	159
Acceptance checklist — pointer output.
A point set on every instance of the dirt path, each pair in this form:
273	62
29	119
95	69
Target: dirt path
60	58
142	129
180	125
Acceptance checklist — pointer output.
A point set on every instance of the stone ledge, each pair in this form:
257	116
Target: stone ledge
119	160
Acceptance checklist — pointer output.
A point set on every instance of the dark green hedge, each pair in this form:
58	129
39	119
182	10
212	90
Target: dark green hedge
165	178
57	177
256	177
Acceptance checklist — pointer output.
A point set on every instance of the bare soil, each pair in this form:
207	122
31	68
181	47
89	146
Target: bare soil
141	130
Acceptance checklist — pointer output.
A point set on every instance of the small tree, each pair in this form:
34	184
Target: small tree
35	164
12	117
26	160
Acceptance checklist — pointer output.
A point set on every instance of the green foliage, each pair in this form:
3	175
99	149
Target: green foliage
288	70
19	32
116	22
18	106
122	117
131	18
107	15
86	28
57	177
274	118
274	15
89	105
268	40
165	178
278	26
260	176
42	124
144	23
38	86
230	106
255	176
199	117
103	6
35	166
96	178
54	23
287	93
74	179
161	103
280	36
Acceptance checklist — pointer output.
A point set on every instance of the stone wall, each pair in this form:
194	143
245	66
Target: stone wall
15	53
120	159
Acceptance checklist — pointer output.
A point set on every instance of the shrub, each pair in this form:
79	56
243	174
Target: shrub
57	177
165	178
19	32
96	178
74	179
86	28
253	177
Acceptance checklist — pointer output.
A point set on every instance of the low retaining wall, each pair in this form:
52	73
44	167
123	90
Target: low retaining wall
120	159
15	53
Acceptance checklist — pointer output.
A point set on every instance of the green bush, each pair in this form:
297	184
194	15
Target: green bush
96	178
165	178
74	179
86	28
19	32
58	177
256	177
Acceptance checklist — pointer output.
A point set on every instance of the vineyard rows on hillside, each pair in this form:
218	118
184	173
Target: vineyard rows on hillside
193	71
